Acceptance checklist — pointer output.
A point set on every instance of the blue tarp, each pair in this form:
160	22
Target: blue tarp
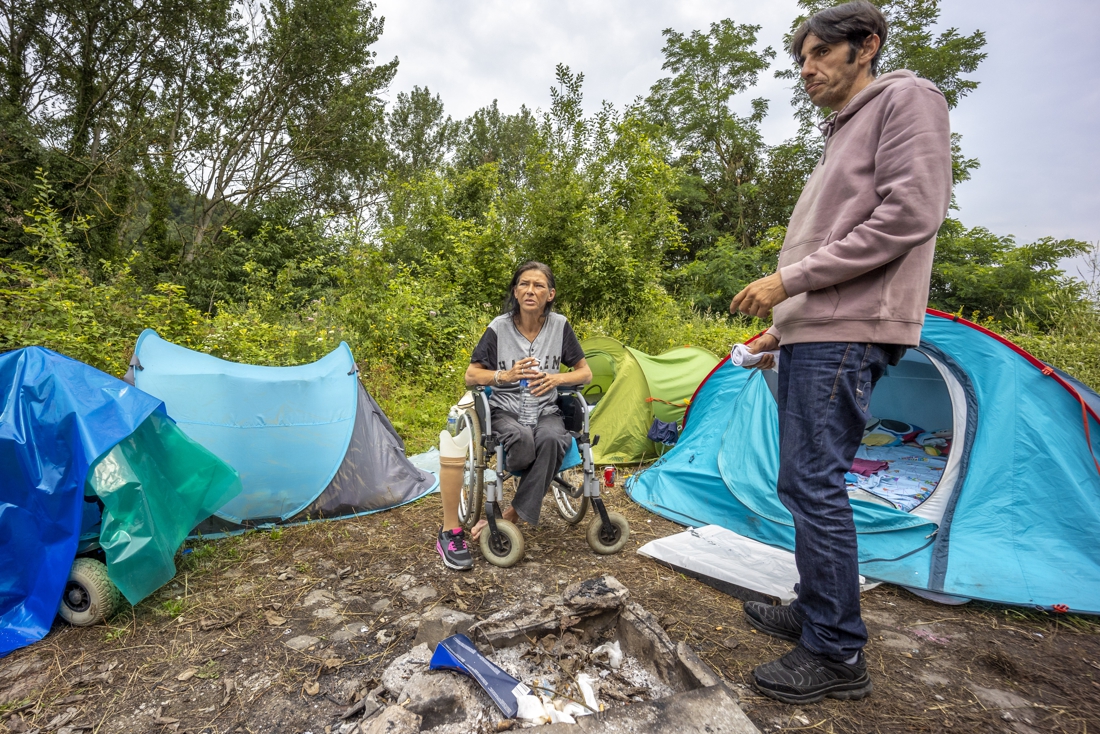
1019	524
57	416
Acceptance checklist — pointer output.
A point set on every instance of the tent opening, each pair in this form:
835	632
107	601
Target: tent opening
602	365
908	457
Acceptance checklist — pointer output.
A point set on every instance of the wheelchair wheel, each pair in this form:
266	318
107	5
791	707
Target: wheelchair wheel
90	597
569	499
506	549
472	495
612	541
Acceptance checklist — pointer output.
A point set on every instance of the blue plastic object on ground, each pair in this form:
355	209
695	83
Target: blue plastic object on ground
57	416
459	654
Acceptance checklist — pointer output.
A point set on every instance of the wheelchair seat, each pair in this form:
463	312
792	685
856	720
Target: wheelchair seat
572	407
572	415
571	459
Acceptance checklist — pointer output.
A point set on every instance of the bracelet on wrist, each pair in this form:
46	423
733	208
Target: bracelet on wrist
496	378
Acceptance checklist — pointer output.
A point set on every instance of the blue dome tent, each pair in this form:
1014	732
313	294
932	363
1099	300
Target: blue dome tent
308	441
1013	518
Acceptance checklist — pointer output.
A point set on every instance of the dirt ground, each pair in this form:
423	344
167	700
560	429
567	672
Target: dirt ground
208	653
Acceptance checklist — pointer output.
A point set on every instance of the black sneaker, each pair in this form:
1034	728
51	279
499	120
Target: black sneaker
451	544
782	622
802	676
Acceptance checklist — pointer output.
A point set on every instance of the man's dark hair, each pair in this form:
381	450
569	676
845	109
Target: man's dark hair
511	305
853	22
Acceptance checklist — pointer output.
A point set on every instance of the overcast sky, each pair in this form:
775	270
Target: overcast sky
1033	122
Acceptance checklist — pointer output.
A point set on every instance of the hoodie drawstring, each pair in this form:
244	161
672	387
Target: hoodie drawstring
826	127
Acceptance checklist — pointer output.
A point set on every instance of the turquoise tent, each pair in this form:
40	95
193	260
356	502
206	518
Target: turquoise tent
308	441
1014	517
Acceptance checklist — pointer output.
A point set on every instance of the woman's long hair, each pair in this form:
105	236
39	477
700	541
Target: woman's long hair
511	305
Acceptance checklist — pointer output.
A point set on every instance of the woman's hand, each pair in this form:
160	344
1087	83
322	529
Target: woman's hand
543	382
523	369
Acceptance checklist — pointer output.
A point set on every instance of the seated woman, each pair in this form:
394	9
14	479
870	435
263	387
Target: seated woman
528	341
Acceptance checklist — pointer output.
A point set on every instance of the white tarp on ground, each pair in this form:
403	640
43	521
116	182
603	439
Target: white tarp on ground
736	565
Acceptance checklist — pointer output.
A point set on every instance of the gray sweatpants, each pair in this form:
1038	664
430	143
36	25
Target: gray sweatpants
537	453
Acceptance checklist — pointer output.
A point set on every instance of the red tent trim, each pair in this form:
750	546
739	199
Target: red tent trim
1034	361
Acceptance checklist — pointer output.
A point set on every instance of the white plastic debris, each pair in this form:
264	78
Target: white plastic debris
613	651
574	709
530	709
588	692
718	553
559	717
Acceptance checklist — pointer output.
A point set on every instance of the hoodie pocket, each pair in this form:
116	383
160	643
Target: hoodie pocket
793	253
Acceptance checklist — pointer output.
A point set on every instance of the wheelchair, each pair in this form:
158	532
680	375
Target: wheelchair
574	488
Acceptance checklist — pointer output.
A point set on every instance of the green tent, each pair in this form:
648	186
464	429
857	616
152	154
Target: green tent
630	388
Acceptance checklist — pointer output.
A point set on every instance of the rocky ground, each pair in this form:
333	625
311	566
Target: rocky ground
288	631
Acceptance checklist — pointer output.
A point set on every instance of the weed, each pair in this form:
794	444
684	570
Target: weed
197	557
171	608
18	704
275	534
116	634
209	671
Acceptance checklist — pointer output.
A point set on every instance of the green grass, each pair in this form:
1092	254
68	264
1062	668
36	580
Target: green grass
171	608
209	671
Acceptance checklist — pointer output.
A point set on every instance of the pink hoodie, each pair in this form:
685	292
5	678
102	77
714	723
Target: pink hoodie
857	258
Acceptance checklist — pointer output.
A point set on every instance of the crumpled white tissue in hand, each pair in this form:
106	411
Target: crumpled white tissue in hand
740	356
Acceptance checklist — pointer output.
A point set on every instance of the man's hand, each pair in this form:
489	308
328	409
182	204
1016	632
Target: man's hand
764	343
758	297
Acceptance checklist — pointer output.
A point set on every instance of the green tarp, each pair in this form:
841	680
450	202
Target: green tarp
155	486
623	380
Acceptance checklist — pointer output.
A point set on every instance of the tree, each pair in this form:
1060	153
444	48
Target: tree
589	195
419	134
718	150
82	92
976	271
302	116
489	136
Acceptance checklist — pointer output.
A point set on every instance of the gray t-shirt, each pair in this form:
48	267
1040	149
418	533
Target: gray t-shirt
502	345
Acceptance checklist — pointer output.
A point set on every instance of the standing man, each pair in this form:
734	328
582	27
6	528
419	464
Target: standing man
849	298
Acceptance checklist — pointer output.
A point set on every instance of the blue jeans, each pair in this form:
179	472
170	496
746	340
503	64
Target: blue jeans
824	396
